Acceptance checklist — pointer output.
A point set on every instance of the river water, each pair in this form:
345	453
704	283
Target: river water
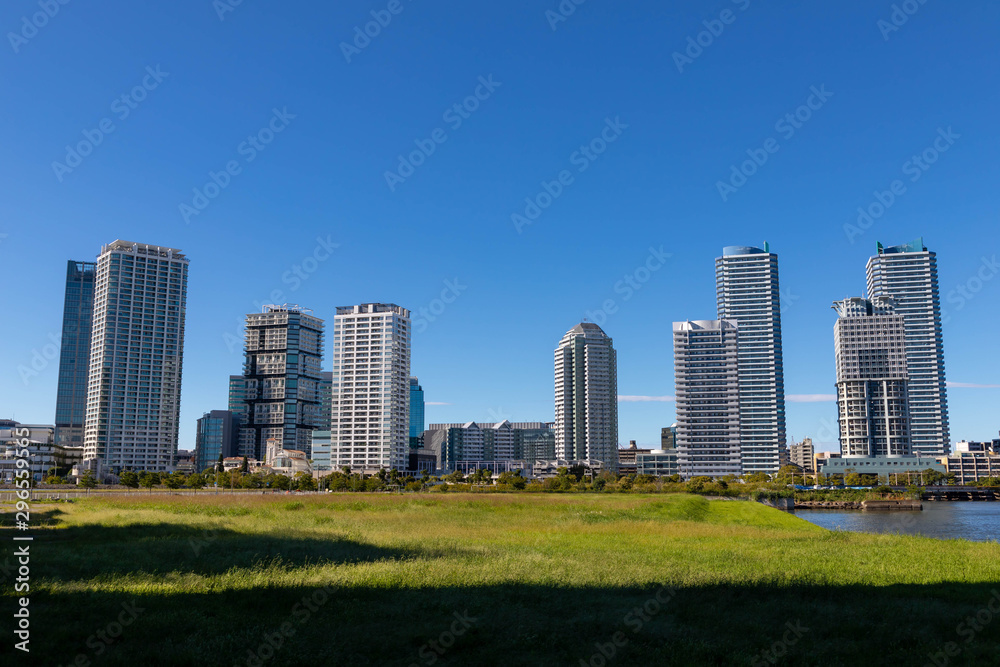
979	521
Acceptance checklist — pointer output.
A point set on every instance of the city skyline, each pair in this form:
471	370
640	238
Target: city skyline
834	446
630	239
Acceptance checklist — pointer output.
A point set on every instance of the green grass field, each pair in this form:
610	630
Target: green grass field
489	580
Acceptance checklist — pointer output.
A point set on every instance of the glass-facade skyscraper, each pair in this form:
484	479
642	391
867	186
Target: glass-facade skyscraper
748	294
74	353
217	435
416	412
281	368
908	274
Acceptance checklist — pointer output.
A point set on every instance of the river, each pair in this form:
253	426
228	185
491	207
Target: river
979	521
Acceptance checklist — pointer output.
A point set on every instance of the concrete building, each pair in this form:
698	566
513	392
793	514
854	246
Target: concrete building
370	410
708	404
802	455
586	392
970	467
416	412
45	457
657	462
534	441
748	295
910	466
908	274
283	355
218	434
185	462
74	353
452	444
627	458
283	461
136	352
873	408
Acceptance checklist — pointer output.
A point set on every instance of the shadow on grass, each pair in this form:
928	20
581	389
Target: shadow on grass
527	625
83	552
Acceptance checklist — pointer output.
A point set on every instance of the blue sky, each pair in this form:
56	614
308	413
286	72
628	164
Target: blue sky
661	131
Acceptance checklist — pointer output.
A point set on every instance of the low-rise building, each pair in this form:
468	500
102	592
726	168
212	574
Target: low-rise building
970	467
627	458
908	466
283	461
43	455
657	462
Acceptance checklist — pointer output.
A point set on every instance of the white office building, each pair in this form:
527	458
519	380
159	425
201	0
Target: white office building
137	344
370	393
586	392
748	294
908	274
707	388
872	404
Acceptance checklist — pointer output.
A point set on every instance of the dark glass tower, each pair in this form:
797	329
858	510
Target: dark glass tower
74	354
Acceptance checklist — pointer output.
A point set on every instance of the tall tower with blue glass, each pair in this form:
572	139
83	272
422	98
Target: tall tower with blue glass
416	412
74	353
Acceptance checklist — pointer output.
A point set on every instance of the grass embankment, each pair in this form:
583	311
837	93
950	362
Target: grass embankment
540	579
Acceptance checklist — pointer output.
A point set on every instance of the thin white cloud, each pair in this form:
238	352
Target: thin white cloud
646	399
971	385
811	398
436	403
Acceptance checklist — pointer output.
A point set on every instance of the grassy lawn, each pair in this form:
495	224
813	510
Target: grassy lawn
489	580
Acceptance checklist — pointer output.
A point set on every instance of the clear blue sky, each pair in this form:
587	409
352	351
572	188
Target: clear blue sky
489	353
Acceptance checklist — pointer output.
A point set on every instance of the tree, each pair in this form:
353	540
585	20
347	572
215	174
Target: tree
174	480
512	479
148	480
219	466
196	481
245	466
306	482
88	481
757	478
129	479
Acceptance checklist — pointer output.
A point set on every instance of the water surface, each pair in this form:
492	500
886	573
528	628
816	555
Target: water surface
979	521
